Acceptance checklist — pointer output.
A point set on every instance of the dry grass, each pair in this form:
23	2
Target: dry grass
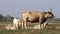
50	29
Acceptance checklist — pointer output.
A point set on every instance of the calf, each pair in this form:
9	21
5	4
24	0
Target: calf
16	23
15	26
11	27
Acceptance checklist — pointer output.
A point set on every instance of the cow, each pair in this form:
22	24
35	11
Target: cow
31	16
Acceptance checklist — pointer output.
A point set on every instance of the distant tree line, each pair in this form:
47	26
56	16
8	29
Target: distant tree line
6	18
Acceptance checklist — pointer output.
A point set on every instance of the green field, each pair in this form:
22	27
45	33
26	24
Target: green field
50	29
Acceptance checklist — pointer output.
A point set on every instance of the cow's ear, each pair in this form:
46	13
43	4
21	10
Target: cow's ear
49	12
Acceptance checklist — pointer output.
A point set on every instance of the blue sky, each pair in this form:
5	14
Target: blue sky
14	7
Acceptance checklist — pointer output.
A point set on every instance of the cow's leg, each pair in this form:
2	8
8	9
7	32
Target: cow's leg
25	24
45	24
42	26
40	22
22	24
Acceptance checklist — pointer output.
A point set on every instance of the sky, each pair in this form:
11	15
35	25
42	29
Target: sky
15	7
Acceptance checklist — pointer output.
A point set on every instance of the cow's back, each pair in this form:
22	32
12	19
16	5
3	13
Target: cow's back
32	15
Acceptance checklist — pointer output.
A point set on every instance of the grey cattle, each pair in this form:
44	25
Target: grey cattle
31	16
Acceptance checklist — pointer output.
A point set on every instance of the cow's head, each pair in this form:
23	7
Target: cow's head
49	15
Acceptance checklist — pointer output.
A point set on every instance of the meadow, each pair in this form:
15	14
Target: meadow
51	28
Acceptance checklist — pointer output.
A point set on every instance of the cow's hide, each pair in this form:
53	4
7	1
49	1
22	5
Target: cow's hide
33	17
34	21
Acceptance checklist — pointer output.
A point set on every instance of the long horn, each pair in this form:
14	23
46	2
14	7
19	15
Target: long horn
50	10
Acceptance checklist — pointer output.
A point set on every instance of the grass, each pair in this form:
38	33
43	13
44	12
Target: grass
52	30
45	31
